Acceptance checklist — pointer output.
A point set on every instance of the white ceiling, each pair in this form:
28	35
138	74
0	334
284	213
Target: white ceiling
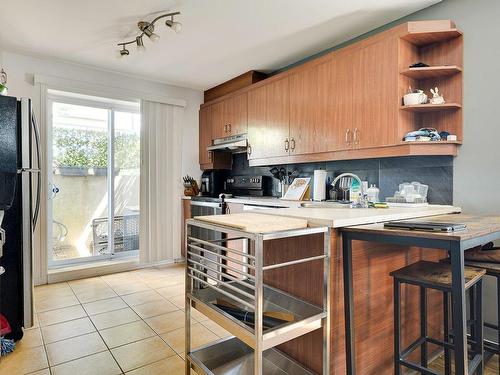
220	38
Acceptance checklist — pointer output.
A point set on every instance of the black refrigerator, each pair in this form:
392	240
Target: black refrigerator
19	203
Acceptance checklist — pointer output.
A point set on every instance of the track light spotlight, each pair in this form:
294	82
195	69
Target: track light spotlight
176	26
140	44
148	28
124	51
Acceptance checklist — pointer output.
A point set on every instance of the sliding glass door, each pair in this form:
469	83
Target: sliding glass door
94	159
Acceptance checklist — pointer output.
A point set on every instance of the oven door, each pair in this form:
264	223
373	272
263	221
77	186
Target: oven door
199	208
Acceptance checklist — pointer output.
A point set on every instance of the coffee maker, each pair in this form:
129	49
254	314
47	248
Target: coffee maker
212	183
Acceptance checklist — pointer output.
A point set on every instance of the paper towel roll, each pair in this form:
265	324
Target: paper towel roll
319	193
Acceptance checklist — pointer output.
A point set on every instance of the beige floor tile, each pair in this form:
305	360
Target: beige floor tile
53	302
114	318
54	290
116	278
66	330
200	335
171	291
52	287
31	339
22	362
178	301
104	305
172	366
215	328
167	322
141	353
169	269
41	372
198	315
74	348
158	282
130	287
100	363
135	299
126	333
82	283
61	315
150	309
95	294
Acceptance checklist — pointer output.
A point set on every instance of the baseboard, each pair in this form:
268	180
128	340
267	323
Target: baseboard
94	269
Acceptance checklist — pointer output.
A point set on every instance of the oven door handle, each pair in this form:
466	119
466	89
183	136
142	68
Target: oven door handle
206	204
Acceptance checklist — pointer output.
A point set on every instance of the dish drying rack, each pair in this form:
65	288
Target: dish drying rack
217	271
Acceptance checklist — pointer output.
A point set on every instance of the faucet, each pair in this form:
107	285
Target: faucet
363	200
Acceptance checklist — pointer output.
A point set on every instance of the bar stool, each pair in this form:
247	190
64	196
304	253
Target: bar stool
493	270
431	275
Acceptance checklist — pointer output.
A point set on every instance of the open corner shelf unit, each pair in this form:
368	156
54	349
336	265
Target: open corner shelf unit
229	279
438	44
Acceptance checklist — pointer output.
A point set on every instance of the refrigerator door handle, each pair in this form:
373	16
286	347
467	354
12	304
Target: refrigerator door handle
39	176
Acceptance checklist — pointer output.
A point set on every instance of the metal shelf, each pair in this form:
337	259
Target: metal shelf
231	356
307	317
226	266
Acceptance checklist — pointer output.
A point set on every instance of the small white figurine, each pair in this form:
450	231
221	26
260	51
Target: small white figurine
436	97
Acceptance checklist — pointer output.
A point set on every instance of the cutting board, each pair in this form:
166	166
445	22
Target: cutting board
255	223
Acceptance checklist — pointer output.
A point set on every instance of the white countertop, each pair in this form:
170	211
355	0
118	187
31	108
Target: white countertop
344	217
338	217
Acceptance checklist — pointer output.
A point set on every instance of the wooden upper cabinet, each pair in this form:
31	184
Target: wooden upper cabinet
210	159
236	114
347	104
230	116
375	96
341	102
311	129
269	120
218	120
205	132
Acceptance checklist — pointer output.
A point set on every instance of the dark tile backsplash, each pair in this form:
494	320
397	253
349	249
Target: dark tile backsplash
386	173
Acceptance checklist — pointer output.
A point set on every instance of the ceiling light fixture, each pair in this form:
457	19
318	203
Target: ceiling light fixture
140	44
148	29
124	51
176	26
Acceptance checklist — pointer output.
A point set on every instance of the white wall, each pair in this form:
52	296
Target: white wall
22	68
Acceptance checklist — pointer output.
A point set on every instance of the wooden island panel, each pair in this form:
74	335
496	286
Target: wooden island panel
373	299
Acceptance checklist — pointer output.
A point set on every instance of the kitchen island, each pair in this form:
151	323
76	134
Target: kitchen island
372	285
478	231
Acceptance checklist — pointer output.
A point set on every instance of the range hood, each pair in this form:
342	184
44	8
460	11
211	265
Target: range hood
234	144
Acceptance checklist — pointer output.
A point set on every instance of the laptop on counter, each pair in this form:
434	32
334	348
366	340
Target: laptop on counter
429	226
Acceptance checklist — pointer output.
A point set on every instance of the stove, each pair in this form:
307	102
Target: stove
253	186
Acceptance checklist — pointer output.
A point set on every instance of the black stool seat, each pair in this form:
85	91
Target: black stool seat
492	269
435	275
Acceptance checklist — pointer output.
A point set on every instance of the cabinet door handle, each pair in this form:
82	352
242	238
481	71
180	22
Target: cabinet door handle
229	128
347	136
210	155
356	136
249	150
225	128
292	144
287	144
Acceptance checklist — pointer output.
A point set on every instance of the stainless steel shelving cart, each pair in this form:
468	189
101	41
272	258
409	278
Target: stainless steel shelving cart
216	271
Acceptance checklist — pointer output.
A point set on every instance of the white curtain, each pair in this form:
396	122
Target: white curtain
161	187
